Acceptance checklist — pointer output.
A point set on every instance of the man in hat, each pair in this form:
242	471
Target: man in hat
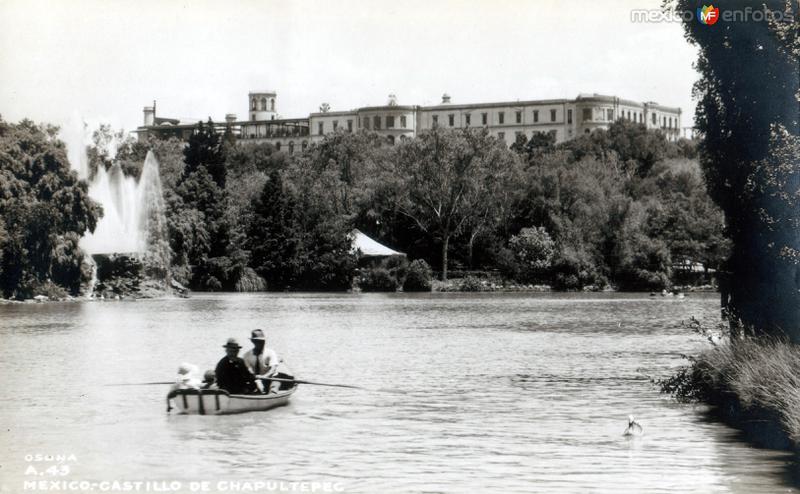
262	362
231	372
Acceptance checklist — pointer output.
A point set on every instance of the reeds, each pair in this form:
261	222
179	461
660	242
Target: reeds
761	375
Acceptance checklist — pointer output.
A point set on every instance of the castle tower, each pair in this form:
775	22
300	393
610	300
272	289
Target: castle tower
261	105
149	116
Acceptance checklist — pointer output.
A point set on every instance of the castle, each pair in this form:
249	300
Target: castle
564	118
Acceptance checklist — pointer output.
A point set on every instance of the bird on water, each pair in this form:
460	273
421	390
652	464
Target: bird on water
634	429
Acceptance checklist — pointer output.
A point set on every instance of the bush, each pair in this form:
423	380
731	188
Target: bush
49	290
377	280
574	270
533	250
507	263
419	277
397	266
250	281
470	284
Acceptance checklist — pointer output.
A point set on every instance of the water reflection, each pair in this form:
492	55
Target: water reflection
499	392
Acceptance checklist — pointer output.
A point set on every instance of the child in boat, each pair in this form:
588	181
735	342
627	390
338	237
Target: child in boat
187	377
209	380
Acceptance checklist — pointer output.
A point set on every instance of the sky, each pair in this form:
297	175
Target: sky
103	60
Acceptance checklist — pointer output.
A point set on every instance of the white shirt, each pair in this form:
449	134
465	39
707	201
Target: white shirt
262	364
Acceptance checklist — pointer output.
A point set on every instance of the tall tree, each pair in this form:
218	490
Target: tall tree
44	210
200	235
207	148
747	114
273	236
443	178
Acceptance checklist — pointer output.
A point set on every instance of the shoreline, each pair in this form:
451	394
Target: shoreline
452	286
750	384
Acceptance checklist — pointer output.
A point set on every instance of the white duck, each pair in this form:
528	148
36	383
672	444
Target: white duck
634	429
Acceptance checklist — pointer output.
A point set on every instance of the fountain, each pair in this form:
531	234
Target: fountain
129	208
131	238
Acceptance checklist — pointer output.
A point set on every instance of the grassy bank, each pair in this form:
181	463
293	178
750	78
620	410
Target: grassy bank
752	384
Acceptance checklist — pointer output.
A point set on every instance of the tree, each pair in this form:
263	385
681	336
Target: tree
444	176
688	221
636	148
206	148
534	250
342	169
199	232
641	260
44	209
273	236
747	116
248	158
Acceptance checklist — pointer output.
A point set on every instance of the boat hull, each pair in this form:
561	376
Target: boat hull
220	402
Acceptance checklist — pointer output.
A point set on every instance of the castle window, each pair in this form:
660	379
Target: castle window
552	115
277	146
587	114
484	118
263	104
451	119
320	127
272	104
609	114
519	117
376	122
501	118
403	121
654	118
291	147
435	120
569	116
335	125
467	118
253	104
366	122
349	126
391	140
535	116
389	121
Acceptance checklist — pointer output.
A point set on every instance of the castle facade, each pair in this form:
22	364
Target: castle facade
564	118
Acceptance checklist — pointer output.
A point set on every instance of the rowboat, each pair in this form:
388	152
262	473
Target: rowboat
220	402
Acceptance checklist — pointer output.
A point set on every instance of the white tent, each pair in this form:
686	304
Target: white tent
367	247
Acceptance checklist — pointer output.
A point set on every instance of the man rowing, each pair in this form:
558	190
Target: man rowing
231	373
262	362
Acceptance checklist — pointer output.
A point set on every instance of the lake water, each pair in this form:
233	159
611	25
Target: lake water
467	393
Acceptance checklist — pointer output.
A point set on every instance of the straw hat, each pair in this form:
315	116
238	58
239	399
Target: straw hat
257	334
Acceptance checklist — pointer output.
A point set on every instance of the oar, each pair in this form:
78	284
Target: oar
298	381
139	384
